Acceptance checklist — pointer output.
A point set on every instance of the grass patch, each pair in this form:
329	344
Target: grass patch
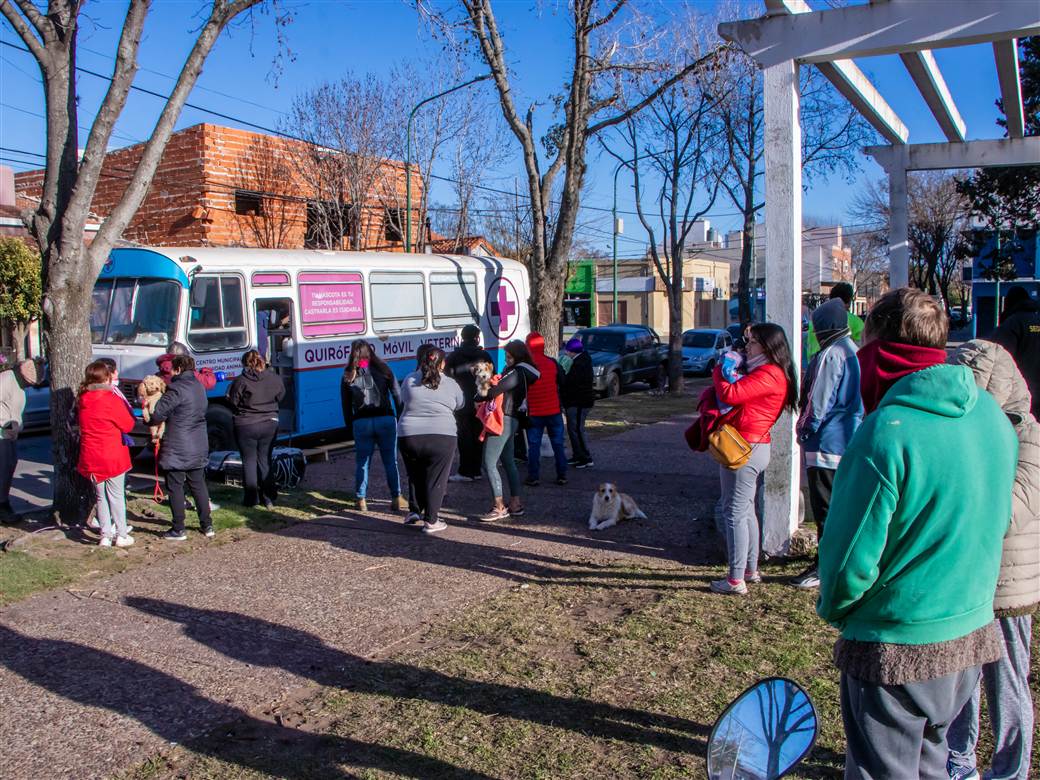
611	416
51	558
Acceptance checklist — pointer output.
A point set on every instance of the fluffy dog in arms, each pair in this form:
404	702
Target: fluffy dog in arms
149	392
482	372
609	506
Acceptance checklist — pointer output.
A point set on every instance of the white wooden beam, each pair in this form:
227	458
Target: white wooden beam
1006	55
851	82
924	70
1003	152
898	225
783	166
893	27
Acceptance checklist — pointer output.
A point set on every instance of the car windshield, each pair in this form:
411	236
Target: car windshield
699	340
602	341
134	311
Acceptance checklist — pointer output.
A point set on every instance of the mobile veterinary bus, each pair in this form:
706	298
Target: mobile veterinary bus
301	310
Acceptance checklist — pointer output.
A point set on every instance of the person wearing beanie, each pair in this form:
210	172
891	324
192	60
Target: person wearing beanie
831	410
545	412
458	366
844	293
578	394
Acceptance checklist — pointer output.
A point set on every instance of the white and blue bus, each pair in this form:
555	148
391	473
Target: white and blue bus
301	310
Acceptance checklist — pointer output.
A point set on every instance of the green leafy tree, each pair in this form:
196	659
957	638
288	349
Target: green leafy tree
20	287
1006	201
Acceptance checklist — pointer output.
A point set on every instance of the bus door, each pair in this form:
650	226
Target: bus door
274	340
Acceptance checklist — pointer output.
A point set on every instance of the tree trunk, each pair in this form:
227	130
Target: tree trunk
675	326
546	307
66	329
746	310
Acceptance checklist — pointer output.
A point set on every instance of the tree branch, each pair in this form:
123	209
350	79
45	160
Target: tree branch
663	87
25	32
608	17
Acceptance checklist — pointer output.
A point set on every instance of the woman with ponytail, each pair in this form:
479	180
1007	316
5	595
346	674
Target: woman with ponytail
427	436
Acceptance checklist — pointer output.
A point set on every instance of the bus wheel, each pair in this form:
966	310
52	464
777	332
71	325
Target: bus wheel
220	428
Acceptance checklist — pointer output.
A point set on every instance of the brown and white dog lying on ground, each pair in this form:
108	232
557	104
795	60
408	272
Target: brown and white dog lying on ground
609	506
149	392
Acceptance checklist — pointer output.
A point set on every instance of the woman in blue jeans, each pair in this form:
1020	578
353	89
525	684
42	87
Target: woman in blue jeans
510	392
371	404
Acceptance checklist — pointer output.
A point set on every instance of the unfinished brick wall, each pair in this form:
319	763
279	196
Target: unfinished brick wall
191	201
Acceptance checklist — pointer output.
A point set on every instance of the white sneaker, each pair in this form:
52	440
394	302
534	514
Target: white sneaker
432	528
413	518
213	507
460	478
105	542
124	541
726	587
129	529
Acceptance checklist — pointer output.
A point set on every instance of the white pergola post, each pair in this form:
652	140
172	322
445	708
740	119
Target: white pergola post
898	225
783	166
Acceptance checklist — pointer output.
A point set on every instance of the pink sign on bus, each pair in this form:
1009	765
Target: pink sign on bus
331	303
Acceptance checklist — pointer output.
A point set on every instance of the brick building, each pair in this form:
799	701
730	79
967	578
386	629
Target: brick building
220	186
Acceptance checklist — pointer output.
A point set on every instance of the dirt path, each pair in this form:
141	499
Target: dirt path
94	682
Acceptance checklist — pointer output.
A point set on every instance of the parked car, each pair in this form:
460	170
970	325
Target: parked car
623	354
37	413
703	349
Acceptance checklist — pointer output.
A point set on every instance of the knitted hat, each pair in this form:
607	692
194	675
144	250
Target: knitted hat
575	345
830	316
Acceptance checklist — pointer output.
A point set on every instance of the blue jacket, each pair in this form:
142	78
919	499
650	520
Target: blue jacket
832	407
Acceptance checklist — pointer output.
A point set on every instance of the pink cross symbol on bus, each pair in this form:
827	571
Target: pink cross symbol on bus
504	306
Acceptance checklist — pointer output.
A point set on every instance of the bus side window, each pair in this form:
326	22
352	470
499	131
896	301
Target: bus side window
454	299
217	320
398	301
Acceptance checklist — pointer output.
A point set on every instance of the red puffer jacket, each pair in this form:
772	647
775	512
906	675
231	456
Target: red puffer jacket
757	399
543	395
103	419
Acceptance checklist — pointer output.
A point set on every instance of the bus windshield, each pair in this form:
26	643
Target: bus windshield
134	311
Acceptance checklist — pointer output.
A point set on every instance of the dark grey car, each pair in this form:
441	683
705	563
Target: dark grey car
623	354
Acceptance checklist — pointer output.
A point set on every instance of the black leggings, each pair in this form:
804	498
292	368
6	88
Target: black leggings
255	443
427	459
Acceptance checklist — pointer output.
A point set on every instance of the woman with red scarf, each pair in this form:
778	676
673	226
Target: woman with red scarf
757	400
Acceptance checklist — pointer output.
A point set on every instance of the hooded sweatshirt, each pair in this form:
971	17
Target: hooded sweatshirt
913	542
254	396
543	396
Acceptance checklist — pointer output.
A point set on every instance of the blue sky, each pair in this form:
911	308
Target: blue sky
328	38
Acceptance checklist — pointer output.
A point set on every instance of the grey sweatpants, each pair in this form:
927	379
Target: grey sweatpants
1010	709
111	506
896	731
739	519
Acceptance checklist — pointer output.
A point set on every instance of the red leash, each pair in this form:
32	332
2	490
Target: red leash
157	494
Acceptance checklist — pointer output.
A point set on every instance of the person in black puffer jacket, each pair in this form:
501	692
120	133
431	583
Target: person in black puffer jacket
579	396
510	392
371	401
254	397
458	367
185	445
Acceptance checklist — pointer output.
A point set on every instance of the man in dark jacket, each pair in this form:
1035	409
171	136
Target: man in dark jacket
1019	334
458	366
185	445
578	394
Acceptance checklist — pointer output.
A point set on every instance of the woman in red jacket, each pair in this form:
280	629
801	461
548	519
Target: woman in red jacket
103	457
769	386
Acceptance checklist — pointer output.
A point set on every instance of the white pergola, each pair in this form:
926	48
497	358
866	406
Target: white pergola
791	34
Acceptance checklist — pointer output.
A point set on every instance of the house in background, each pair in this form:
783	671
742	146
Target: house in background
219	186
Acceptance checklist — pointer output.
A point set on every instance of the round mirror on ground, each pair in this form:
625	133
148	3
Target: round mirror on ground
764	733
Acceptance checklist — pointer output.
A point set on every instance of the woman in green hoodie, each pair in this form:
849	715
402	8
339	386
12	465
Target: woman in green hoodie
909	563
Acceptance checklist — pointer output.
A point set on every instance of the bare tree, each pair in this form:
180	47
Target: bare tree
347	126
832	134
264	173
70	266
602	55
670	148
